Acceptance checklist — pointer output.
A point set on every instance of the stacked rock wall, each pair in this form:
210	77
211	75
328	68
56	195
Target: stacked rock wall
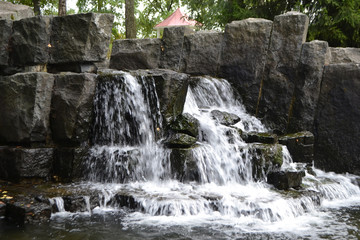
290	84
47	85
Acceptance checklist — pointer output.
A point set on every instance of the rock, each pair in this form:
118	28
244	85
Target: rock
18	163
185	123
256	137
5	34
25	107
80	38
243	57
30	41
180	140
300	146
72	107
277	90
283	180
307	90
337	131
264	158
184	165
201	52
172	47
135	54
344	55
225	118
11	11
171	88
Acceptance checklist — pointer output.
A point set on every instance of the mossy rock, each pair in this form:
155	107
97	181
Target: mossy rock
180	140
283	180
253	137
225	118
185	123
184	165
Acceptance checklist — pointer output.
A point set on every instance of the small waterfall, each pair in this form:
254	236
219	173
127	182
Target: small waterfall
59	203
128	159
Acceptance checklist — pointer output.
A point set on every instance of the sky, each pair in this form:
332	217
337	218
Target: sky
71	4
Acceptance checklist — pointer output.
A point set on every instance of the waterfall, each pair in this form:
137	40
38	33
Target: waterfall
129	159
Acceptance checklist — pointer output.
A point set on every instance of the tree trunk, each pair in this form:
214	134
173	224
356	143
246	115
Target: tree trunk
62	7
36	7
130	24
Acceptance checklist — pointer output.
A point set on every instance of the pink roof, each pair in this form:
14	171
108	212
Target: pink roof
177	19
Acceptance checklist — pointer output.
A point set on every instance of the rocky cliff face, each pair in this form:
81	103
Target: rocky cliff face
48	81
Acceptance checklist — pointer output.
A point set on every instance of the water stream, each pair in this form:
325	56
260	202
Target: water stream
128	158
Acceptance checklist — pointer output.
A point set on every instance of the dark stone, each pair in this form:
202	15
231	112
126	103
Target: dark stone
337	131
72	107
18	163
201	53
123	200
277	89
80	38
172	47
73	67
225	118
180	140
135	54
30	41
264	158
307	90
243	57
185	123
25	107
300	146
5	34
283	180
256	137
184	165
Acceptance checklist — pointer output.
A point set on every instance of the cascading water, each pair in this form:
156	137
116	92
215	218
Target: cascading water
128	158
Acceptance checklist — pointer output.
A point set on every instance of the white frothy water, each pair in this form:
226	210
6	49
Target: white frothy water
128	157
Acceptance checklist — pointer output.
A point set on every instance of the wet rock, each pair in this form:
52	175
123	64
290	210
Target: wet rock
6	31
18	163
11	11
225	118
264	158
30	41
184	165
201	53
171	88
283	56
344	55
121	200
307	90
172	47
72	107
283	180
180	140
25	107
185	123
243	57
300	146
135	54
337	131
80	38
253	137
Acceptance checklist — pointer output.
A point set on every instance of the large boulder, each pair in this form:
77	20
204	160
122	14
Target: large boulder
30	41
337	130
277	91
25	107
5	34
243	57
172	47
135	54
185	123
80	38
11	11
283	180
225	118
184	165
201	53
19	163
72	107
307	89
344	55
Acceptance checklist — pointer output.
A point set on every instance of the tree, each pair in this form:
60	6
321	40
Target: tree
130	24
62	8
